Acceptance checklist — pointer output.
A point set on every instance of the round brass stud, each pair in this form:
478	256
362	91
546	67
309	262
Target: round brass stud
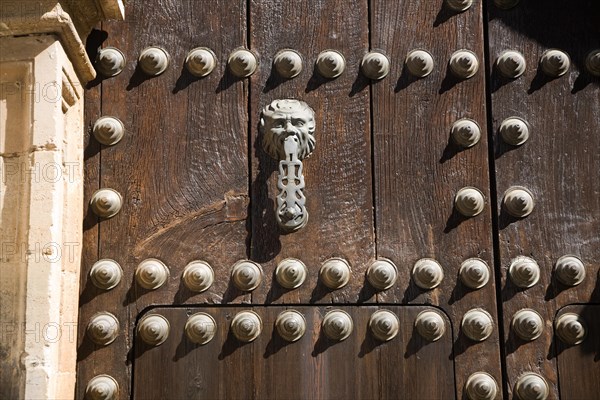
290	325
375	65
465	133
103	328
592	62
200	328
153	329
518	202
384	325
555	63
459	5
569	270
382	274
427	273
335	273
464	64
527	324
108	130
102	387
514	131
331	64
246	275
246	326
430	325
105	274
477	324
524	272
154	60
242	63
469	201
511	64
474	273
110	61
337	325
200	61
481	386
288	63
106	203
198	276
151	274
531	386
291	273
571	328
419	63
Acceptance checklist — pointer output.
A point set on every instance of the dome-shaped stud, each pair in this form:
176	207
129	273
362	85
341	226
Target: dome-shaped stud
474	273
288	63
555	63
290	325
481	386
337	325
531	386
242	63
527	324
464	64
477	324
200	61
151	274
153	329
419	63
382	274
506	4
335	273
110	62
246	326
246	275
384	325
524	272
330	64
198	276
154	61
459	5
571	328
427	273
200	328
375	65
430	325
569	270
105	274
102	387
465	133
511	64
469	201
518	202
514	131
108	130
103	328
291	273
592	62
106	203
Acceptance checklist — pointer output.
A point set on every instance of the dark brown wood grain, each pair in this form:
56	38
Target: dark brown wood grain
560	165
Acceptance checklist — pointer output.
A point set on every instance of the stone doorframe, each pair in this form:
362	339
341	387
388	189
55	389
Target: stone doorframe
43	71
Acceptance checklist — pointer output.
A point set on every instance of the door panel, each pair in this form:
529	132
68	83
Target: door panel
313	367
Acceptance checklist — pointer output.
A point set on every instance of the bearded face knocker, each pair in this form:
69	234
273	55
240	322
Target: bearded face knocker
288	128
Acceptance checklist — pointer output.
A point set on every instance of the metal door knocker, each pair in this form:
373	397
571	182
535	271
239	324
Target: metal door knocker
288	128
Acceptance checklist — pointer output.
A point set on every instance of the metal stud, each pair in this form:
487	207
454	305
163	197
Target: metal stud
246	326
518	202
419	63
110	62
571	328
531	386
382	274
331	63
527	324
105	274
337	325
465	132
511	64
200	328
481	386
384	325
427	273
154	60
153	329
200	61
469	201
108	130
555	63
524	272
288	63
474	273
459	5
291	273
242	63
375	65
198	276
246	275
477	324
514	131
102	387
506	4
103	328
290	325
464	64
569	270
106	203
592	62
151	274
335	273
430	325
